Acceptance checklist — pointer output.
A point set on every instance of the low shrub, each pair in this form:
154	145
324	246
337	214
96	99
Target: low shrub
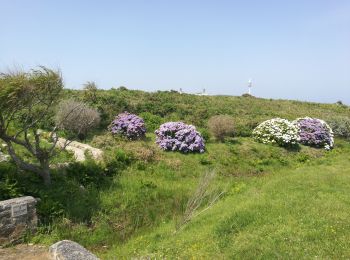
177	136
277	130
142	152
246	95
87	173
205	134
8	183
221	126
128	125
340	126
152	121
314	132
73	195
244	127
104	141
116	161
76	117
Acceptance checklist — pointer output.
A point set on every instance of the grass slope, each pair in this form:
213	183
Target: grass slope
278	203
302	212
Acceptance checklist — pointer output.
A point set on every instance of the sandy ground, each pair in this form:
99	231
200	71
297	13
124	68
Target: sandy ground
24	252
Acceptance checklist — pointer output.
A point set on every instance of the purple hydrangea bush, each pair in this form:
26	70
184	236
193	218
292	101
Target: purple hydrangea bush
128	125
315	132
177	136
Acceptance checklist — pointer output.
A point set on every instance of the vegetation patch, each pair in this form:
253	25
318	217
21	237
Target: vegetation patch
278	131
265	201
315	132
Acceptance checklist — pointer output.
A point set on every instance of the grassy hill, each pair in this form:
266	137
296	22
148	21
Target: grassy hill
170	105
275	203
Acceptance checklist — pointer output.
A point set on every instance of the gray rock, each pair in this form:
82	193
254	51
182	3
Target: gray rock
17	216
69	250
4	157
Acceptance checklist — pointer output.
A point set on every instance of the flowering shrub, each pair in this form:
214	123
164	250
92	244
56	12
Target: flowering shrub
277	130
315	132
128	125
177	136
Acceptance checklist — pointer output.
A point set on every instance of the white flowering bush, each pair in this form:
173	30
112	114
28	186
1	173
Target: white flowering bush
277	130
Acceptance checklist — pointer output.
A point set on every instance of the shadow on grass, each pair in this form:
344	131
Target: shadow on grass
233	141
73	194
293	148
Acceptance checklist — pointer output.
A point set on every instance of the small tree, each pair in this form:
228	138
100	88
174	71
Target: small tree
27	100
90	91
76	118
221	126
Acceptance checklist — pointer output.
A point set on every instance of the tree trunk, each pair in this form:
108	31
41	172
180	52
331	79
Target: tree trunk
47	177
45	172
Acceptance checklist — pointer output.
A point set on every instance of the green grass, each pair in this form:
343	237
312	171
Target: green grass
291	213
277	204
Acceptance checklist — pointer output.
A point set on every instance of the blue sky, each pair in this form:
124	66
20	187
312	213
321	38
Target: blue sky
291	49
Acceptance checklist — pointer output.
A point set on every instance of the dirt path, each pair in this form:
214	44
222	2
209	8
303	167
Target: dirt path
24	252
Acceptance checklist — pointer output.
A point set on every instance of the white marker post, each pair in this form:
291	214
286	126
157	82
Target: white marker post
250	84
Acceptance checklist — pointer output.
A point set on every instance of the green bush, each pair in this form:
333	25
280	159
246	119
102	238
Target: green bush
116	161
205	134
152	121
8	183
65	197
104	141
87	173
340	126
245	128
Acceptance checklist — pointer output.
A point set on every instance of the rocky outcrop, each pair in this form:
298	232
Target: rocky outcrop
16	217
3	157
79	149
69	250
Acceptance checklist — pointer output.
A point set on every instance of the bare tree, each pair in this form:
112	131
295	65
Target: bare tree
76	117
27	101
